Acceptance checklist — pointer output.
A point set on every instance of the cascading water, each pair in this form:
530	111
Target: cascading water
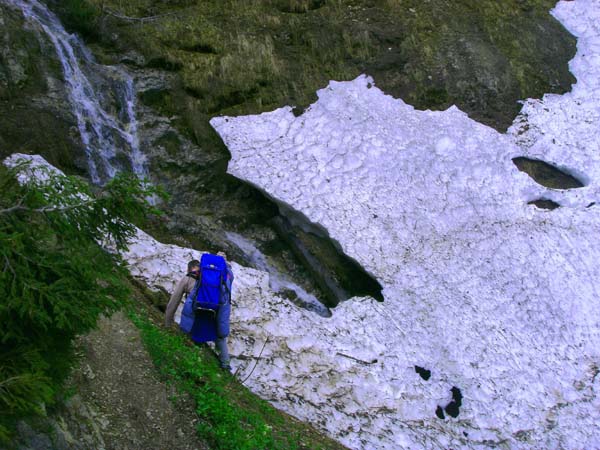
109	139
278	281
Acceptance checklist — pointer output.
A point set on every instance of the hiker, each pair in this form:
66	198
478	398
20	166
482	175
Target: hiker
210	322
182	290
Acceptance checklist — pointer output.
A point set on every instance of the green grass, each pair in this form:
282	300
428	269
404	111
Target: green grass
231	417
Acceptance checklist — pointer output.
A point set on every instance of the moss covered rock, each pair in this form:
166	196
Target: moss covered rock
246	57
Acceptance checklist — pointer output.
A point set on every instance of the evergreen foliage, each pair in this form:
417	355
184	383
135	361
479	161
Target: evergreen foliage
55	278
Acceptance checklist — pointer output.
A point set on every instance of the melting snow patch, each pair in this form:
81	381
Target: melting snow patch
501	298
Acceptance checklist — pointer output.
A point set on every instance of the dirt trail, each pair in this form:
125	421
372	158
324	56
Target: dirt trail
118	378
120	402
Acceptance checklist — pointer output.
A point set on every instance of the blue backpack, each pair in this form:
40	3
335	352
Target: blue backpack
207	293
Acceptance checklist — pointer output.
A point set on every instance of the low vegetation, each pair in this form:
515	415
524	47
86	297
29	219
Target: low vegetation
231	417
56	280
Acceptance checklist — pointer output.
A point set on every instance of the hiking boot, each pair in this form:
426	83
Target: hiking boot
226	367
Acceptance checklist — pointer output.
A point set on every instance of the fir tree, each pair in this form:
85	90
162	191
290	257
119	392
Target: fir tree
55	277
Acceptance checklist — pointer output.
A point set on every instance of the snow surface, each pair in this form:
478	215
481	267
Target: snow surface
494	296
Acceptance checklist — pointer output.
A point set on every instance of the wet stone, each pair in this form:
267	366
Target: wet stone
544	204
546	174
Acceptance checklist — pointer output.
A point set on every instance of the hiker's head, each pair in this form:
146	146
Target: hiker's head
223	254
194	266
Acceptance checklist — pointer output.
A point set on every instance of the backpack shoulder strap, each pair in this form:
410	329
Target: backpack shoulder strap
194	292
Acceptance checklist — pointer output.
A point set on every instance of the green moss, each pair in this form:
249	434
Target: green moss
159	99
170	141
436	97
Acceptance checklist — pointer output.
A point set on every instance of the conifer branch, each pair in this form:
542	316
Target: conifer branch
45	209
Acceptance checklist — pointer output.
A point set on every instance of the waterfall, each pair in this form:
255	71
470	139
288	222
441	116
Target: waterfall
277	281
109	138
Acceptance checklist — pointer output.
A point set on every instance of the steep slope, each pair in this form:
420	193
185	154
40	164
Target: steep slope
111	411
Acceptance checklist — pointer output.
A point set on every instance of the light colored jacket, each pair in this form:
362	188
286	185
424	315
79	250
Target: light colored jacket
182	290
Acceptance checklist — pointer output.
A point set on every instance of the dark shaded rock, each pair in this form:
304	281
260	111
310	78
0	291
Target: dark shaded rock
200	48
164	63
339	276
35	113
544	204
158	99
546	174
424	373
439	412
453	408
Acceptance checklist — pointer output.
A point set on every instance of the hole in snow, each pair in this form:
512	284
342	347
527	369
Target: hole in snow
544	203
452	408
440	412
338	275
590	205
546	174
425	374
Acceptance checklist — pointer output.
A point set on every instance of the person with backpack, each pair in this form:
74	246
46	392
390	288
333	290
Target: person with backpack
183	287
206	311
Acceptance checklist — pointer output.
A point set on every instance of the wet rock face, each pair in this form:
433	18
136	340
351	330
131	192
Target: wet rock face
482	56
325	262
35	115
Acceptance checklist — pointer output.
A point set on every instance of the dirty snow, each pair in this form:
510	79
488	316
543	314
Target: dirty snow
496	297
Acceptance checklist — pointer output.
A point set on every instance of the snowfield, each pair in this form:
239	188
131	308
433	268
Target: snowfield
496	297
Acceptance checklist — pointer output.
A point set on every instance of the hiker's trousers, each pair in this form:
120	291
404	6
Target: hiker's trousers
221	345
